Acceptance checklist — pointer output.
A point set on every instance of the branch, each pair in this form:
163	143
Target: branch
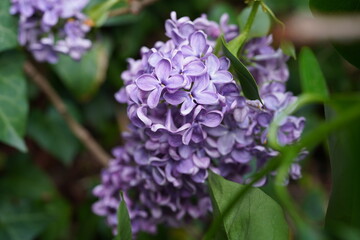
135	7
79	131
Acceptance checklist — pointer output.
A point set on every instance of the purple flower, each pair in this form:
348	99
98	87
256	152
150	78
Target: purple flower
188	116
50	27
162	80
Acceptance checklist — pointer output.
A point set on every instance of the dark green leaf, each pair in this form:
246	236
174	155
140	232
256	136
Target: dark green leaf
255	215
261	25
124	223
312	79
344	208
8	27
83	78
51	132
288	49
30	205
349	51
13	102
247	81
19	222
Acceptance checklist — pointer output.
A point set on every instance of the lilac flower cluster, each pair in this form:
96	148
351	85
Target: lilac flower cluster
188	116
50	27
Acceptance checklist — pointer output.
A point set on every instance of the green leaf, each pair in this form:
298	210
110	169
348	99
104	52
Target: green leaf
247	81
254	216
84	77
348	50
344	209
99	12
51	132
124	223
19	222
288	49
30	205
13	102
312	79
261	25
8	27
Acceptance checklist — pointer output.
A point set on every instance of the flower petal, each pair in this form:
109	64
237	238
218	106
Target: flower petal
162	69
212	64
187	106
212	119
175	82
146	82
194	68
198	42
226	143
154	97
221	77
176	98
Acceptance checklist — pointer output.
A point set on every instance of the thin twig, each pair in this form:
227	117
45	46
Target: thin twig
134	7
79	131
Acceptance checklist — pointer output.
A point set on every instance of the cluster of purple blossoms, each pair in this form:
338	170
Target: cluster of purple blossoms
50	27
188	116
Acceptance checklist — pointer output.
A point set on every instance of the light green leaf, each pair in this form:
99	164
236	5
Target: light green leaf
254	216
312	79
124	223
288	49
13	102
51	132
247	81
261	25
84	77
8	27
99	12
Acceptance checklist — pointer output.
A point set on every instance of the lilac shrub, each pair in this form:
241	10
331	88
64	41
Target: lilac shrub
189	116
50	27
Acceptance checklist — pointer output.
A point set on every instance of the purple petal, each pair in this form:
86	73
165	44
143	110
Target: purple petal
146	82
175	82
226	143
222	77
194	68
198	42
186	138
201	162
159	176
186	167
140	112
212	64
241	156
206	97
176	98
187	106
154	97
162	69
212	119
141	157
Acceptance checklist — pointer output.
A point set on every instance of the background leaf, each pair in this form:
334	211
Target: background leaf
247	81
255	215
124	223
350	51
8	27
30	206
13	101
83	78
344	210
261	25
51	132
311	76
